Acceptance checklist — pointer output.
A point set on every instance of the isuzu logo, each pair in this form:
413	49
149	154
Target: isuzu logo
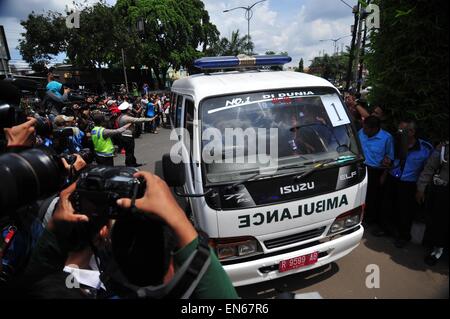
296	188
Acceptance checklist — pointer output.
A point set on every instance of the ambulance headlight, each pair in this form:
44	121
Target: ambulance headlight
337	226
346	220
229	248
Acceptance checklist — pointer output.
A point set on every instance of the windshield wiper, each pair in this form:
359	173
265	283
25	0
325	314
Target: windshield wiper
254	176
315	167
318	165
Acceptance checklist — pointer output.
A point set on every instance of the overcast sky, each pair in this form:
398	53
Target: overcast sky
295	26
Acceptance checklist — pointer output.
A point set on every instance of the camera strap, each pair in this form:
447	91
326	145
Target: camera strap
187	276
133	198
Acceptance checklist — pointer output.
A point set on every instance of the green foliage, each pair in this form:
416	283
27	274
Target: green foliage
234	46
330	67
97	42
174	34
408	64
45	36
301	67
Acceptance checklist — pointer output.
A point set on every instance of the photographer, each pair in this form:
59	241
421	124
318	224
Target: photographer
77	140
56	95
22	214
142	257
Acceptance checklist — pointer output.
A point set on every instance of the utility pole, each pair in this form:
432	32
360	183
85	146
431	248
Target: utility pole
124	70
248	16
363	50
361	60
358	45
352	46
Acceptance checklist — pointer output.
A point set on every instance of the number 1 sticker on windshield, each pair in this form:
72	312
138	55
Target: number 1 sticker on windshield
335	110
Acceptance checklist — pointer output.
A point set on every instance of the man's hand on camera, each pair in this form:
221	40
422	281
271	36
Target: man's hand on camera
21	135
77	166
158	199
64	211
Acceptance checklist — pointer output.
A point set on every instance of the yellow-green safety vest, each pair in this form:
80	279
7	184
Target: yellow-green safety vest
103	147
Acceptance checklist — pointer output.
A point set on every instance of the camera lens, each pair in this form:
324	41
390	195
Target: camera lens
38	171
44	126
7	115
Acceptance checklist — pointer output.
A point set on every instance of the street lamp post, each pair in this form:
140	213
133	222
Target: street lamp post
336	48
248	16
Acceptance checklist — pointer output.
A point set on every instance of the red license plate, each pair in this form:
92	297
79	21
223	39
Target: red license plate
298	262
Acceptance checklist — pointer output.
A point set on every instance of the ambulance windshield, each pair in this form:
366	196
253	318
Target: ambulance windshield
273	131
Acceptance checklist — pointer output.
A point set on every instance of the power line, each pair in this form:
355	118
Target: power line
346	4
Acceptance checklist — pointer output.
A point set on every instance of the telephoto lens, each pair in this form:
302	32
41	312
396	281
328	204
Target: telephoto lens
28	176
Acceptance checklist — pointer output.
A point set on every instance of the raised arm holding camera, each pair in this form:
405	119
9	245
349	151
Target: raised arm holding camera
133	253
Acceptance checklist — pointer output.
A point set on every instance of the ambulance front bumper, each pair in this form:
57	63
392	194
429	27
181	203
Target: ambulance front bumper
255	271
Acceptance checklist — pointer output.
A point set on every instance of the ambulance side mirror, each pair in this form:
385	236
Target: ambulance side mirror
173	170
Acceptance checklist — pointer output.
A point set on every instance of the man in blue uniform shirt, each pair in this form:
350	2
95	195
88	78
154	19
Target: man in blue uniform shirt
399	205
378	148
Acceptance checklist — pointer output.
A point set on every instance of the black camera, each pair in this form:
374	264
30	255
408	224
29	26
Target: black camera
12	113
86	154
29	175
33	174
100	187
76	97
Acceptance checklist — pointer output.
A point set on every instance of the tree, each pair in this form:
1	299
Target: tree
330	67
95	44
300	68
45	35
234	46
174	34
408	63
173	31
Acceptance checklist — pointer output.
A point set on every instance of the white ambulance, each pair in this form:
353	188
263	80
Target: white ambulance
299	209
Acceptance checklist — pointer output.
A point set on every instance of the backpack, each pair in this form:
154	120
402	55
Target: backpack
17	241
20	234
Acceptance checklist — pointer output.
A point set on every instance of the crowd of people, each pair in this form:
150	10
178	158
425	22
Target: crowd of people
406	175
111	259
48	250
109	124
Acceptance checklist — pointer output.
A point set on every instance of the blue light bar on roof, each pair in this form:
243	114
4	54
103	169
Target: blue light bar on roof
228	62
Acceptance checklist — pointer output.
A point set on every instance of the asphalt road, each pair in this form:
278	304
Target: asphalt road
403	273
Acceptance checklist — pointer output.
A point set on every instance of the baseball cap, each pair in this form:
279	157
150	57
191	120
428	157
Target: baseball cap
124	106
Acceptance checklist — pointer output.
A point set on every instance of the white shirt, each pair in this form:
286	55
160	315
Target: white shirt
87	277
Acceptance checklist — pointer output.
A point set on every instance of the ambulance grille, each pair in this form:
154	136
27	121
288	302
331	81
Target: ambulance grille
296	238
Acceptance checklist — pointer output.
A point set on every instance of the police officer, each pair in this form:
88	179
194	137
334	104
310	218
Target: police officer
127	137
101	138
399	205
435	177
